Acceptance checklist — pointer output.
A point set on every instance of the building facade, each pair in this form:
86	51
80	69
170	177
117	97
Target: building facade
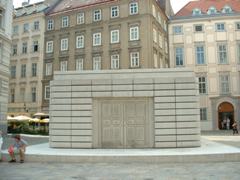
26	65
101	35
5	46
205	36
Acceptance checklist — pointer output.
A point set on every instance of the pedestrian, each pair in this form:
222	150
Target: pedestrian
228	123
19	147
235	128
1	142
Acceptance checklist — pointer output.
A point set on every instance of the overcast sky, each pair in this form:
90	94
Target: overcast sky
176	4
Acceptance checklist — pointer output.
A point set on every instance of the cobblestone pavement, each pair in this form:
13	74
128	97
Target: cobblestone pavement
118	171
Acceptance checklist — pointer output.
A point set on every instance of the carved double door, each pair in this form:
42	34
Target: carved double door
125	123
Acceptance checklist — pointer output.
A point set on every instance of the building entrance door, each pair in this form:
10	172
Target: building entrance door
225	116
125	123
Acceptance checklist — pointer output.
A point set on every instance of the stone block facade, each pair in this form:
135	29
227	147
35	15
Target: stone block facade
125	109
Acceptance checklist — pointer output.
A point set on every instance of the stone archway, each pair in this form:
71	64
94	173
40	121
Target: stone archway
225	111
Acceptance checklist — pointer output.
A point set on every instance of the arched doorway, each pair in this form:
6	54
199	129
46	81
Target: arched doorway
225	112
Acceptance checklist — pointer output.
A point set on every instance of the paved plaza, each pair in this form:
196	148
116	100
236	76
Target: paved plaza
220	142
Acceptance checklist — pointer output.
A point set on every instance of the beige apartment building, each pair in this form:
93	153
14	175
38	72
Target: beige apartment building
101	35
205	36
5	46
26	65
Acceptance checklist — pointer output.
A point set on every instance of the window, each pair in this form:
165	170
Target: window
179	56
212	10
177	30
80	41
238	53
134	58
202	83
134	33
64	21
196	12
220	27
63	66
14	49
22	94
115	36
203	114
24	48
34	94
48	69
12	98
1	18
1	52
25	27
13	72
160	40
238	26
224	83
34	69
166	46
80	18
200	54
49	47
97	15
36	25
97	63
79	64
115	61
222	53
133	8
64	44
227	9
47	92
97	39
198	28
23	70
154	35
114	11
15	30
35	46
50	24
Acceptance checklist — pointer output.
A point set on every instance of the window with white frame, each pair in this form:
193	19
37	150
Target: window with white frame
80	41
224	83
34	94
13	72
50	24
134	59
23	70
24	48
179	56
14	49
36	25
177	30
49	47
48	69
34	69
35	46
203	114
212	10
115	36
15	30
198	28
97	16
133	8
134	33
220	27
64	44
222	53
200	54
227	9
79	64
63	66
202	84
97	39
25	27
80	18
114	11
47	92
65	21
238	26
97	63
196	12
154	35
115	61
